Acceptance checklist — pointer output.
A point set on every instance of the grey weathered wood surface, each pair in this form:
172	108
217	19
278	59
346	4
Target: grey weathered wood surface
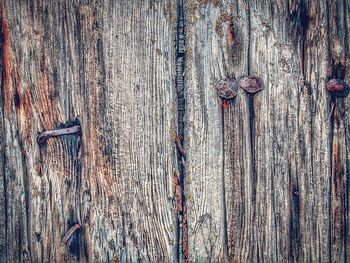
268	177
266	180
109	64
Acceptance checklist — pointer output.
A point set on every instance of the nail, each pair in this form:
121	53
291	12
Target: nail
178	140
69	233
227	88
55	133
251	84
338	87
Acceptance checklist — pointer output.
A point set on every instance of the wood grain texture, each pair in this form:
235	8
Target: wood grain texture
108	66
270	172
207	64
265	180
339	191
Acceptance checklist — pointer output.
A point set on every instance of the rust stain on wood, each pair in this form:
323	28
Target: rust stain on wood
185	238
26	113
231	39
178	141
178	192
7	64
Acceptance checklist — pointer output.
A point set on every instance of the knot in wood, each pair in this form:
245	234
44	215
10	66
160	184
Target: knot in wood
252	84
227	88
338	87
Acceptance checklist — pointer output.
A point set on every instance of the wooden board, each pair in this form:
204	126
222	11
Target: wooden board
264	180
263	172
108	66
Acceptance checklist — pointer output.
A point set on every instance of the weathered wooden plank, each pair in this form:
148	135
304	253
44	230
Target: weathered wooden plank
236	135
271	115
347	134
315	202
247	174
15	181
108	66
206	65
338	50
265	186
339	186
3	208
266	180
276	149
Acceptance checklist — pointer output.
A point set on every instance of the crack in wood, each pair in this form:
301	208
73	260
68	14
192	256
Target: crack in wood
331	141
223	196
180	65
251	113
181	108
3	198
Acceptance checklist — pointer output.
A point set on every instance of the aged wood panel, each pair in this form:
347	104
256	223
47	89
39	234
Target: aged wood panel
209	60
339	122
270	172
108	66
265	179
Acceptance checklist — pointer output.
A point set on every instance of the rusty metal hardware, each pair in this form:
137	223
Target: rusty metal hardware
227	88
70	233
55	133
338	87
251	84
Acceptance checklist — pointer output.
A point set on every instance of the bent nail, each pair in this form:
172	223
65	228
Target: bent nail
55	133
69	233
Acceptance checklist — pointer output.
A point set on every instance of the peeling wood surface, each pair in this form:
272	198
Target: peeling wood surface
264	180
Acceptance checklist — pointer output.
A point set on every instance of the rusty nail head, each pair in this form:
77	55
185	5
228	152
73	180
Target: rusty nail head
227	88
251	84
338	87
